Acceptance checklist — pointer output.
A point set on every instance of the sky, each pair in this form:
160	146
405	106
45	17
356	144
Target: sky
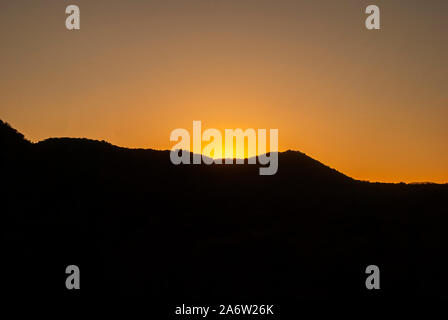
372	104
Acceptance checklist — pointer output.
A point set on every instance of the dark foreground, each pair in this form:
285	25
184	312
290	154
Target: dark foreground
136	225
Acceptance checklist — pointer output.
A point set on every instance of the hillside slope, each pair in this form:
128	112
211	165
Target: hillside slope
136	224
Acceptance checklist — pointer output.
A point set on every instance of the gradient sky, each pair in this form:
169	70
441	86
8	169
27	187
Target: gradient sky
372	104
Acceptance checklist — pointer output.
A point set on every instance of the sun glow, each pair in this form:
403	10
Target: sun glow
238	144
234	144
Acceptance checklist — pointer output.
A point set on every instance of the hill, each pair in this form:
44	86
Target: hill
138	225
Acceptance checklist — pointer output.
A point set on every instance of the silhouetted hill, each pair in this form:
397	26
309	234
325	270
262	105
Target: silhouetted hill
12	143
138	225
10	136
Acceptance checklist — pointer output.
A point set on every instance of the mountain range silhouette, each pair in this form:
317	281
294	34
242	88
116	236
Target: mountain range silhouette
136	224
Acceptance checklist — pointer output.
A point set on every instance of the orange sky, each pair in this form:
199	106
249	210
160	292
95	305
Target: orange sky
372	104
